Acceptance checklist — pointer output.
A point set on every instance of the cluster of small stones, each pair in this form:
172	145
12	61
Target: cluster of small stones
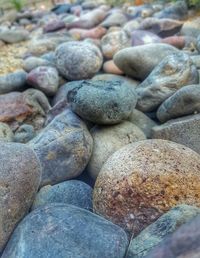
100	131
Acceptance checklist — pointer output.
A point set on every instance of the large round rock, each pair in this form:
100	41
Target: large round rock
63	147
107	140
66	231
143	180
19	181
103	102
78	60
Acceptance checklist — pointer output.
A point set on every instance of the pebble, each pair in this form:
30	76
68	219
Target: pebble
138	62
63	147
72	192
61	230
78	60
33	62
44	78
166	78
15	81
14	36
102	102
143	180
109	139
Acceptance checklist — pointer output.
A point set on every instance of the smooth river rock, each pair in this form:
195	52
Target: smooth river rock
63	147
20	174
66	231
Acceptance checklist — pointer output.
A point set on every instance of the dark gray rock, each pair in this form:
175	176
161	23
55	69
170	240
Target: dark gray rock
44	78
142	121
138	62
182	243
14	36
103	102
151	236
72	192
63	147
66	231
78	60
24	133
169	76
15	81
19	181
33	62
184	130
185	101
109	139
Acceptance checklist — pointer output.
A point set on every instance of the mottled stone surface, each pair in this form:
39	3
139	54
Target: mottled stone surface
107	140
145	179
184	130
12	82
33	62
63	147
24	133
154	234
102	102
44	78
182	243
13	36
60	230
169	76
19	181
138	62
78	60
185	101
113	42
6	134
72	192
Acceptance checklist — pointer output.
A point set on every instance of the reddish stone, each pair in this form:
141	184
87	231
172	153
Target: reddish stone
95	33
110	67
176	41
13	107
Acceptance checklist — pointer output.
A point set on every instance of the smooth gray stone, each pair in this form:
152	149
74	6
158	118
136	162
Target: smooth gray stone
138	62
169	76
66	231
63	147
72	192
20	174
185	130
142	121
109	139
103	102
15	81
185	101
168	223
14	36
33	62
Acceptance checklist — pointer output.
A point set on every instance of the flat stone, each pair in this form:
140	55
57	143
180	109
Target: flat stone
183	130
61	230
185	101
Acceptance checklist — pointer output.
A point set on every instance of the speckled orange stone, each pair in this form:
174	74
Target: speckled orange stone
143	180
